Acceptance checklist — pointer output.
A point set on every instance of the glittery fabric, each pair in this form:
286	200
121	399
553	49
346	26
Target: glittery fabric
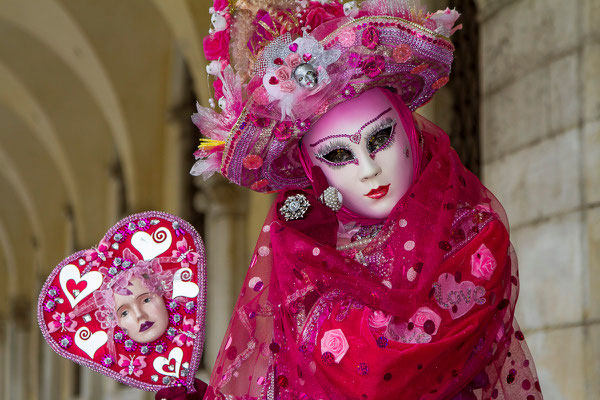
168	254
420	318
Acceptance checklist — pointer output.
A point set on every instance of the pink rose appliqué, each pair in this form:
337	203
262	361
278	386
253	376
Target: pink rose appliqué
334	342
379	319
293	60
283	73
427	319
483	263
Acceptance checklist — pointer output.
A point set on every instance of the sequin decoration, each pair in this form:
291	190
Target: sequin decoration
258	185
440	83
348	92
382	342
119	336
303	125
130	345
252	162
519	335
282	381
49	306
402	53
173	305
65	341
53	292
328	358
107	360
419	68
354	60
274	347
160	347
175	318
362	369
171	332
347	37
190	307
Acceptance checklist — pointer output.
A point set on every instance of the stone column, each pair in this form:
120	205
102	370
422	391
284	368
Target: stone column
541	157
225	208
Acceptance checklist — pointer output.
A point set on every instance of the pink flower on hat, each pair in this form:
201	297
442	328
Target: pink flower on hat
370	38
427	319
334	342
379	319
483	263
293	60
287	86
283	73
444	20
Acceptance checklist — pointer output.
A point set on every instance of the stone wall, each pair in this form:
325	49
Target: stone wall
540	63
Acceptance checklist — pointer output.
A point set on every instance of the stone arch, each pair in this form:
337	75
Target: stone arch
182	22
9	260
22	102
13	177
67	40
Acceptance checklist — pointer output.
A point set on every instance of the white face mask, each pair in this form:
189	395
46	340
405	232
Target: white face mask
142	313
364	152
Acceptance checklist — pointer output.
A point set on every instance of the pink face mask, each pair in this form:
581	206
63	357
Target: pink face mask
362	147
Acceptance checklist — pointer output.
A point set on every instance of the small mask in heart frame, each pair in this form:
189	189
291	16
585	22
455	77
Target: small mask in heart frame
134	307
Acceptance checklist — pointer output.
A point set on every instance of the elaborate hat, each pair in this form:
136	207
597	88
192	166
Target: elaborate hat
280	65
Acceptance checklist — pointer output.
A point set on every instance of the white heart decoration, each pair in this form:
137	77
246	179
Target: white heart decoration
90	342
160	363
69	272
152	246
182	286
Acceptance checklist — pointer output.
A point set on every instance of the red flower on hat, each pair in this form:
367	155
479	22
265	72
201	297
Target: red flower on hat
283	130
318	15
370	38
374	66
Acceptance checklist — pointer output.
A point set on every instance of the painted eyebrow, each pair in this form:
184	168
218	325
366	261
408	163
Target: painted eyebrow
143	294
352	134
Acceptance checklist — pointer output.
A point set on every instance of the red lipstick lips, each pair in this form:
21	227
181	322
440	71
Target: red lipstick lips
379	192
146	325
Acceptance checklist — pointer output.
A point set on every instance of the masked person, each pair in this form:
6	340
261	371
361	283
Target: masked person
384	269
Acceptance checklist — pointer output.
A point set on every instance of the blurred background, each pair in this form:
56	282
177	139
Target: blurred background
95	105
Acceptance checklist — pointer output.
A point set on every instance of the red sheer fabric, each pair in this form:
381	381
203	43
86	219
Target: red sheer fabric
427	313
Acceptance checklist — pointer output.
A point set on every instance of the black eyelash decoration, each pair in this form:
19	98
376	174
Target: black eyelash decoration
387	123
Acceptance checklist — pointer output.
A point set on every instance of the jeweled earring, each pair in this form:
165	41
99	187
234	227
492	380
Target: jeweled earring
332	198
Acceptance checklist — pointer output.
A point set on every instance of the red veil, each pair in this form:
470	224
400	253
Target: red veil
427	314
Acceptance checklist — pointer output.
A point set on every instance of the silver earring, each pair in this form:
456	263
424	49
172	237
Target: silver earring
332	198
